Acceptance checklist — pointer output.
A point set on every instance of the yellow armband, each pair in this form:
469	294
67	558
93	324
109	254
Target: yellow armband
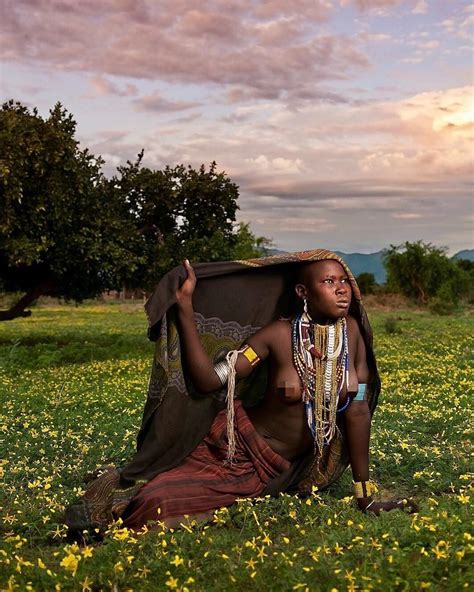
222	368
251	355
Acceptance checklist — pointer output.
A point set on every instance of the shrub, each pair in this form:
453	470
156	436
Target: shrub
392	326
366	282
446	300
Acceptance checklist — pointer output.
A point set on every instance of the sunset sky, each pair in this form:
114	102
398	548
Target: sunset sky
347	124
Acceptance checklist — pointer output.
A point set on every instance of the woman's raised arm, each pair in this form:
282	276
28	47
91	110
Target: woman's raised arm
200	366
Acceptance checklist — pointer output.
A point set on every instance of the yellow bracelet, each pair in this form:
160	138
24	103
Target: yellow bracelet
364	488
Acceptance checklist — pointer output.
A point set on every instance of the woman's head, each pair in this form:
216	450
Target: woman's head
326	287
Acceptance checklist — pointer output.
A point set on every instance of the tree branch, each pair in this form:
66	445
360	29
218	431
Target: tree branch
18	309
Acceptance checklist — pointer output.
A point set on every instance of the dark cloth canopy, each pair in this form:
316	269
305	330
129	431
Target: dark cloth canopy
232	300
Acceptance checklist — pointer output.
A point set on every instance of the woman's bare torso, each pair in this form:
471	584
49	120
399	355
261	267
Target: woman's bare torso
281	418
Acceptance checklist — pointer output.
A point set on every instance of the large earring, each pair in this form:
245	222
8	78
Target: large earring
305	309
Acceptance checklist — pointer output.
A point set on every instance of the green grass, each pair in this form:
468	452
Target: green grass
72	386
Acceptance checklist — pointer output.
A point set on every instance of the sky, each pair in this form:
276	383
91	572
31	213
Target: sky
346	124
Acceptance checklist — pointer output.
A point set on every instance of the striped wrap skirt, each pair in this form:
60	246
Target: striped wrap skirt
203	482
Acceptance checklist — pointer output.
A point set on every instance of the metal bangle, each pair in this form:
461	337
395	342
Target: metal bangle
222	371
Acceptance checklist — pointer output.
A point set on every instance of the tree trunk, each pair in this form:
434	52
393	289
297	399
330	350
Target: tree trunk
422	300
18	309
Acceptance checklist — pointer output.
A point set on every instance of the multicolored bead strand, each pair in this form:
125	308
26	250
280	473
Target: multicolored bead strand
320	355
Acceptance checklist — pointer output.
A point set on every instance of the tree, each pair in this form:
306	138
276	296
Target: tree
467	274
366	282
58	231
175	213
247	245
422	271
67	231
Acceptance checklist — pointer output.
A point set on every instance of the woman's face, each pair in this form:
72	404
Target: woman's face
326	287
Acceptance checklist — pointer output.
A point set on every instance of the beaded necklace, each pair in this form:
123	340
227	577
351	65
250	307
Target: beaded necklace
320	355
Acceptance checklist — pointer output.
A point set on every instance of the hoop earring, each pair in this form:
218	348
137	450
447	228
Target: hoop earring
305	309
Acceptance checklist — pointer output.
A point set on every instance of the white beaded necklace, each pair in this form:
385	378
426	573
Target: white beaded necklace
320	355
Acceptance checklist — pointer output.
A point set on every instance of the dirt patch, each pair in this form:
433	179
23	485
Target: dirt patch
388	302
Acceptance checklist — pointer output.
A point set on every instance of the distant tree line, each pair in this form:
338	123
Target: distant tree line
68	231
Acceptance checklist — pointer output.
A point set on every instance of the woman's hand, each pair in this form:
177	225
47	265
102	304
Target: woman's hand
184	294
199	365
369	505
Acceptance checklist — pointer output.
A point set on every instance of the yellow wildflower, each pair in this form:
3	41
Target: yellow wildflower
172	583
70	563
122	534
338	550
86	585
177	561
261	553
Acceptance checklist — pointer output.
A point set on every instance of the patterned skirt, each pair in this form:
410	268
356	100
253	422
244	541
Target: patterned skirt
203	482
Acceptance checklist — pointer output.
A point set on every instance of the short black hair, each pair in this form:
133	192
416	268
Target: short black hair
301	271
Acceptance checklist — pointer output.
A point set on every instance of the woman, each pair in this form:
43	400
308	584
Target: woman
280	419
321	389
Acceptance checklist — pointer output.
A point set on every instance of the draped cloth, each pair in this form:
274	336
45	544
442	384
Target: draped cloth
232	300
204	481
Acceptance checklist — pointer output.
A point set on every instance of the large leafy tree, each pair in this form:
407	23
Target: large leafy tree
67	231
59	234
176	213
422	271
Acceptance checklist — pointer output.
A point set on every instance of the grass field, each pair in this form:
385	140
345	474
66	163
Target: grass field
72	386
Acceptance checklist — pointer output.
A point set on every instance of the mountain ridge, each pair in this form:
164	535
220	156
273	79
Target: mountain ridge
373	262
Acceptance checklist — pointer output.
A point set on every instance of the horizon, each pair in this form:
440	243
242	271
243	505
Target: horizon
346	124
448	252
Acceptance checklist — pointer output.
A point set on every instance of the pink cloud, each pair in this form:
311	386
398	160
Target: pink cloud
263	50
278	31
421	7
156	102
461	24
210	25
103	87
374	4
318	10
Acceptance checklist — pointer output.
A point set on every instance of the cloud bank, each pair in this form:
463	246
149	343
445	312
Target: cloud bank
345	120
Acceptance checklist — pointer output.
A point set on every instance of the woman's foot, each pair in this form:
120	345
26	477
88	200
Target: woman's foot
368	504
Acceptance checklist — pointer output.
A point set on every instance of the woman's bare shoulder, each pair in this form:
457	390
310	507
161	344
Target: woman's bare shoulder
274	330
281	326
267	339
